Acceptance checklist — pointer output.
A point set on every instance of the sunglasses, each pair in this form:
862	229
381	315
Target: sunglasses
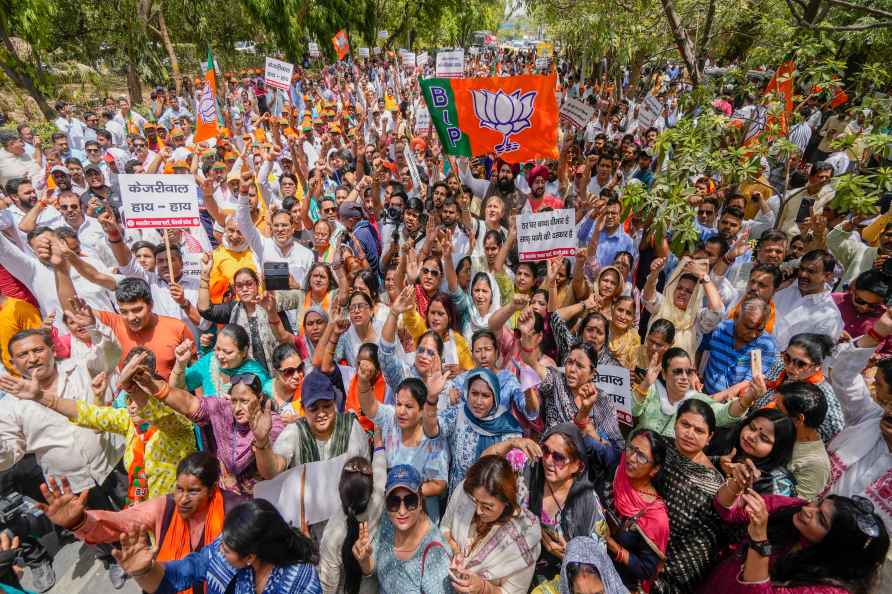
64	207
249	379
289	371
858	301
139	146
92	150
357	307
704	212
430	271
558	459
425	351
866	520
794	362
394	502
678	371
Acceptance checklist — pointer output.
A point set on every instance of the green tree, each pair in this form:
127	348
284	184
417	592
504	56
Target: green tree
24	38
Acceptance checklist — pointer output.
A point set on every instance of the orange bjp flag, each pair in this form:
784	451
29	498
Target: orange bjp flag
515	117
206	122
341	44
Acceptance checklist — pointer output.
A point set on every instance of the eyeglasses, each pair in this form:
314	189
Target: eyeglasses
289	371
430	271
92	150
705	212
358	468
558	459
64	207
394	502
245	285
139	145
636	455
357	307
425	351
328	210
679	371
794	362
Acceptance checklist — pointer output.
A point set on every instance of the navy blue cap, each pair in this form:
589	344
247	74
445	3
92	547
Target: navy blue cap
403	475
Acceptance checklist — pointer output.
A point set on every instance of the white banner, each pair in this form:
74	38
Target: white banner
413	168
383	34
422	119
577	112
305	490
451	64
544	235
363	52
422	59
473	50
615	383
542	62
649	111
278	74
409	59
159	201
314	50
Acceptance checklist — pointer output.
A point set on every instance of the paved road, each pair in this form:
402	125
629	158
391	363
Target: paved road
78	572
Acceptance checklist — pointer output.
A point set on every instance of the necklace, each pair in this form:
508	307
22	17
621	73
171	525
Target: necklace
652	492
554	497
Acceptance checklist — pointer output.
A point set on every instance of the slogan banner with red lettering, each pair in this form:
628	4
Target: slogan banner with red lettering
341	44
515	117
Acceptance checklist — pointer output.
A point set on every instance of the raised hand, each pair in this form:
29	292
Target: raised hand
207	264
755	508
413	266
404	301
653	370
177	294
80	313
436	379
366	375
46	324
23	388
262	421
526	322
99	385
657	265
588	395
135	555
183	352
362	548
62	507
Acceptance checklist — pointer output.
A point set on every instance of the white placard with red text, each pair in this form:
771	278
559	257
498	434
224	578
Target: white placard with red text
278	74
544	235
159	201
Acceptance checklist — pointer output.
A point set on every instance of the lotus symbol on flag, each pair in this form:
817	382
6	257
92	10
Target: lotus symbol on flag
207	107
505	113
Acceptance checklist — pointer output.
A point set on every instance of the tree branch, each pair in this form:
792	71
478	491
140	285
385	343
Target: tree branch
867	9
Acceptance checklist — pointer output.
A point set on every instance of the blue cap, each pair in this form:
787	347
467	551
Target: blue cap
317	386
403	475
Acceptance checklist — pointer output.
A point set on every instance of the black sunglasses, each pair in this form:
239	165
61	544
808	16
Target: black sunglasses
394	502
249	379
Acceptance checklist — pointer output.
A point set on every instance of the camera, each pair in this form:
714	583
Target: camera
393	214
21	514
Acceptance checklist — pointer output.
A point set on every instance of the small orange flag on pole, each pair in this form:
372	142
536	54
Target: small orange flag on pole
206	122
341	44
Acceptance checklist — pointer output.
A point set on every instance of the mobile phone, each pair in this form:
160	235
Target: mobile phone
756	358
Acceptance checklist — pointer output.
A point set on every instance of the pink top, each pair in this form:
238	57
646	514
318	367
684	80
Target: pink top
107	526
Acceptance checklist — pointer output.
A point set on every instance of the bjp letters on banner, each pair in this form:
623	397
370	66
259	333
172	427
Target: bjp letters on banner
515	117
614	382
341	45
206	123
544	235
159	201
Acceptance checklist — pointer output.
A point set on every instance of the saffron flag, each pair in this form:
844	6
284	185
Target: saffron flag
341	44
206	123
515	117
781	84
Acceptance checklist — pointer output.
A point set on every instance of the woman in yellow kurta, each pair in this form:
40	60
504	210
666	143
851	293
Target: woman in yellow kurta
231	255
624	338
441	319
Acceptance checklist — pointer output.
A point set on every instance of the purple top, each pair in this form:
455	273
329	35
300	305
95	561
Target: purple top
727	576
233	444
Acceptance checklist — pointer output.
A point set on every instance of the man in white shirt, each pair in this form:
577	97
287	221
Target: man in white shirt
14	160
85	458
24	200
69	125
807	305
89	232
113	127
281	247
808	200
132	122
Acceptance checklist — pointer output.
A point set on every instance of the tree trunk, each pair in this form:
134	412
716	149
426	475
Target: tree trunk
134	86
168	46
683	41
24	81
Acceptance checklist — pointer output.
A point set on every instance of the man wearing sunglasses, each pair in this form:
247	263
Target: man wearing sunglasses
864	303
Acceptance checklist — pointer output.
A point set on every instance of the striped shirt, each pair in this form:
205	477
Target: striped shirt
727	365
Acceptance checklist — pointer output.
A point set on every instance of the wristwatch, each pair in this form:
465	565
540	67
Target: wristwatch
763	547
705	280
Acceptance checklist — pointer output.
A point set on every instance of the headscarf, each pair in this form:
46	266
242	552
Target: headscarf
498	421
478	320
311	348
684	321
651	517
585	549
